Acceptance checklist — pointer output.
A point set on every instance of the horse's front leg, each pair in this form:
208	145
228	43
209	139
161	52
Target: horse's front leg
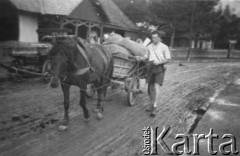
65	89
100	104
83	105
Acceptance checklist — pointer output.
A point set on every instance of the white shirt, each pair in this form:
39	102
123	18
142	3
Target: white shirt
158	53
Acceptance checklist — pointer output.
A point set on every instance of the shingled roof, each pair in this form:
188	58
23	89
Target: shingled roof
103	11
115	15
100	11
54	7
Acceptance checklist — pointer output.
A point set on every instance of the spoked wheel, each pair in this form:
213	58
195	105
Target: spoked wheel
16	76
133	89
16	64
45	69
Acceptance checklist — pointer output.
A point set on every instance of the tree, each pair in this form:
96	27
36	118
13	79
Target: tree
170	16
230	24
193	19
136	10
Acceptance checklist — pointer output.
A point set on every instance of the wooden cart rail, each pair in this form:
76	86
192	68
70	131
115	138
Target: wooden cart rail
20	71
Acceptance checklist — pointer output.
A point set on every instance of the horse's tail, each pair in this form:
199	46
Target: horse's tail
111	66
109	71
108	76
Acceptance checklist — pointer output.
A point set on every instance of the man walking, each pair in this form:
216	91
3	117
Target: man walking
159	55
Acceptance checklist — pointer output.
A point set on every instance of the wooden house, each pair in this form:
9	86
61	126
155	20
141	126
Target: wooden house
25	20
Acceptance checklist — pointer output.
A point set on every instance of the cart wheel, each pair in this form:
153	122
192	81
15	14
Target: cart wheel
16	77
90	91
46	68
132	97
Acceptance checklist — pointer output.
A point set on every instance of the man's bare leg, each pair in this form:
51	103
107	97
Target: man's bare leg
151	92
155	99
157	92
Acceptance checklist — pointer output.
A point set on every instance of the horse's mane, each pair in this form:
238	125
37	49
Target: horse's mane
67	43
67	46
66	50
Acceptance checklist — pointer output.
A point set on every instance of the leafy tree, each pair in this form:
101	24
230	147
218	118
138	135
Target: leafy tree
171	16
168	15
136	10
193	19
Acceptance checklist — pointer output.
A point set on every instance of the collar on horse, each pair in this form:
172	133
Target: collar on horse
83	70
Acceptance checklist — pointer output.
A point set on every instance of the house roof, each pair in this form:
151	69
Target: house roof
103	11
90	11
115	15
100	11
55	7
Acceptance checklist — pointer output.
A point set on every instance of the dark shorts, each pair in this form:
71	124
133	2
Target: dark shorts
156	75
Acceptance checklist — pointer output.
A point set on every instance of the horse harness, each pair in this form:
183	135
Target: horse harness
84	70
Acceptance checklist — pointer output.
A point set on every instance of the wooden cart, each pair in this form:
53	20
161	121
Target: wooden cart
128	70
28	58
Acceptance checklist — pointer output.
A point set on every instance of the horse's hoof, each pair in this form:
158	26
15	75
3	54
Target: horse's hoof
64	122
62	128
96	110
99	116
87	120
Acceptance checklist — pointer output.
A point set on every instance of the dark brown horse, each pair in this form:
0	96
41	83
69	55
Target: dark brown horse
74	62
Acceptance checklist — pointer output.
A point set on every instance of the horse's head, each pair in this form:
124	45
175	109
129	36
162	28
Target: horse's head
59	64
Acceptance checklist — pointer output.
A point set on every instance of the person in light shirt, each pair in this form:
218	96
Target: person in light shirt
159	54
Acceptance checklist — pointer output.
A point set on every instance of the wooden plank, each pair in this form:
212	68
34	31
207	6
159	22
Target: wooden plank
120	66
68	21
23	71
80	23
101	33
76	30
120	76
120	69
89	30
124	58
118	82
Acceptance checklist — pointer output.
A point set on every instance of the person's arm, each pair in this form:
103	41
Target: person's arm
142	58
165	61
167	56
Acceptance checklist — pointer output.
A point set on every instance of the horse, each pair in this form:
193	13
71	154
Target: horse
75	62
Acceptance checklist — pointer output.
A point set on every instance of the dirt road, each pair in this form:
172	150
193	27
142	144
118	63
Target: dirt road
30	113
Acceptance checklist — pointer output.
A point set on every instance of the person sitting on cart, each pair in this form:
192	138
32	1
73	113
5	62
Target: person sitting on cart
159	55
